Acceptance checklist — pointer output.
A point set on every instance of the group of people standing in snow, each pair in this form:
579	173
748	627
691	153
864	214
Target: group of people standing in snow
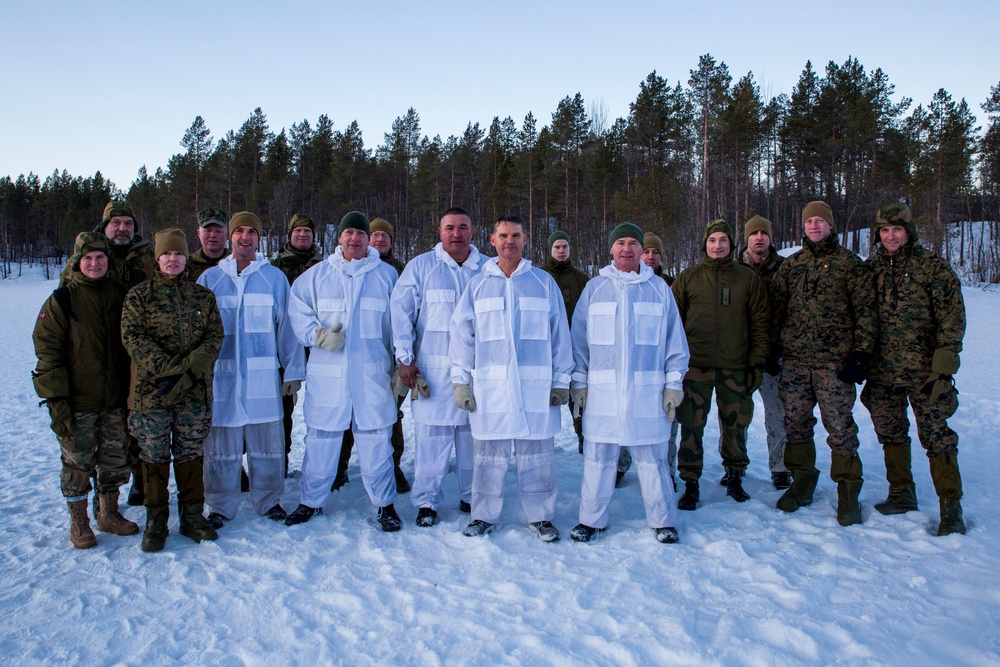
149	355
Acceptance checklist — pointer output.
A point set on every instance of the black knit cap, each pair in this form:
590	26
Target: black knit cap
355	220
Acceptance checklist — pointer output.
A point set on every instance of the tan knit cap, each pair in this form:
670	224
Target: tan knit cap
382	225
170	240
820	208
245	219
757	224
651	240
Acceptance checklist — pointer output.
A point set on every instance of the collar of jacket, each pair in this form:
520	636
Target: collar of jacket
723	264
746	259
199	257
355	267
903	253
90	283
167	279
291	252
228	265
624	278
564	266
824	247
492	267
471	262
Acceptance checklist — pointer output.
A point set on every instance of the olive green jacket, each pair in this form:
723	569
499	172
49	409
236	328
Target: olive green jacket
294	262
570	280
725	311
824	304
171	326
920	309
199	262
80	352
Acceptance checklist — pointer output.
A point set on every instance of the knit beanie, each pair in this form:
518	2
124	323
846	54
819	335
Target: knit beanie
820	208
87	242
116	208
301	220
170	240
719	225
245	219
757	224
355	220
382	225
896	214
212	216
557	235
651	240
625	230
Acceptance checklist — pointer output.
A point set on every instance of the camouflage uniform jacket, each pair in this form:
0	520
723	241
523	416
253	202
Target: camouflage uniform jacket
824	304
127	266
725	312
86	343
766	273
164	321
293	262
571	282
920	309
199	262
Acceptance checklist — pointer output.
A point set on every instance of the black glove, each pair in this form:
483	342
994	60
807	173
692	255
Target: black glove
771	365
755	378
855	369
166	383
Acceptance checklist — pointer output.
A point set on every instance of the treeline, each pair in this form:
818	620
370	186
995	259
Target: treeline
685	153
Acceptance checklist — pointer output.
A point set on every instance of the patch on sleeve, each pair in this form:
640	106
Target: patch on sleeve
41	315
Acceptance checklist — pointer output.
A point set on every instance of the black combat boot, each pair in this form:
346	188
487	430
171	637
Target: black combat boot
689	501
734	489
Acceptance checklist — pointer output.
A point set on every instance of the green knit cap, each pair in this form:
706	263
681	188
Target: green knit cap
896	214
719	225
87	242
625	230
558	235
355	220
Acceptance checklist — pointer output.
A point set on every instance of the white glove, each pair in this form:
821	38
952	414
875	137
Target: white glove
671	399
579	397
422	390
291	388
463	397
330	339
558	396
398	388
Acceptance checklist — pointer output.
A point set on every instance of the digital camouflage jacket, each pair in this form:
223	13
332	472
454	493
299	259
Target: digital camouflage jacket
171	326
920	309
823	304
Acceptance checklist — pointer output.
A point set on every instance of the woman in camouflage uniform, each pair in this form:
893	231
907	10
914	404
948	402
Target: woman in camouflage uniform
82	374
172	328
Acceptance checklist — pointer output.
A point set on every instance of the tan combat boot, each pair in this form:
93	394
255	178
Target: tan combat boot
110	520
79	530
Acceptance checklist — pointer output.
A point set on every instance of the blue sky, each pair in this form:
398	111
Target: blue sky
114	85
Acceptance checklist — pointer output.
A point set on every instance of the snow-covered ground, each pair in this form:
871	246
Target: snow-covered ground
747	585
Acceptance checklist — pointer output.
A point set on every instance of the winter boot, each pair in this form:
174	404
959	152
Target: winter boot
666	535
734	489
781	480
301	514
801	463
846	471
624	464
157	497
155	536
387	518
80	532
110	520
544	530
583	533
951	517
948	484
902	499
136	495
689	501
190	479
426	517
478	528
